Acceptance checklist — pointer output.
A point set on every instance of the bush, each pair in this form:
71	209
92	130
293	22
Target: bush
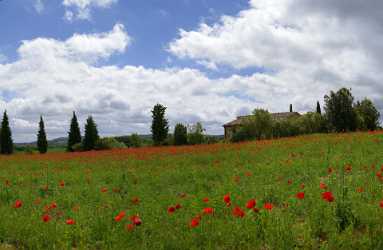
180	135
108	143
77	147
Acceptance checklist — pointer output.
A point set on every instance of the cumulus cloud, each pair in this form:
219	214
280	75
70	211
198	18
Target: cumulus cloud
53	78
306	46
81	9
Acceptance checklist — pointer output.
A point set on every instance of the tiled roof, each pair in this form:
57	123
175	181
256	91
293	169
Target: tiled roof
275	116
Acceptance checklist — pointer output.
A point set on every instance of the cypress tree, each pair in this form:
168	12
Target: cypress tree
91	134
319	111
160	127
42	143
291	108
6	143
74	134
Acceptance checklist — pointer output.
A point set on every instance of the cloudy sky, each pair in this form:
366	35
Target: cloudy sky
206	60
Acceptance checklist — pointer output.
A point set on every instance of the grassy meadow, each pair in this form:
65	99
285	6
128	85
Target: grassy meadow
309	192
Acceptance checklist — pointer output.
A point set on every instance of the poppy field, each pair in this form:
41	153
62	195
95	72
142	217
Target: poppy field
309	192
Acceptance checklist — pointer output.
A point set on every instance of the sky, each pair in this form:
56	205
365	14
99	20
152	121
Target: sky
205	60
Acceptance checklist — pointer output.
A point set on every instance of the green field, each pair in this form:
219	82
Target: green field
93	188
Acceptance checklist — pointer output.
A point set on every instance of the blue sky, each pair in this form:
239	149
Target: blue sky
151	23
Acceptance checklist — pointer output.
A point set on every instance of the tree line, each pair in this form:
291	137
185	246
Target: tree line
341	114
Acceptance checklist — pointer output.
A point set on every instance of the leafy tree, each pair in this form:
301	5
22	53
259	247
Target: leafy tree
368	115
319	111
160	127
180	134
291	108
42	143
74	134
196	134
91	134
339	110
6	142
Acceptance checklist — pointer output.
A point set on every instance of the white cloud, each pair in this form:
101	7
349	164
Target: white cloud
307	48
39	6
80	47
3	58
54	77
81	9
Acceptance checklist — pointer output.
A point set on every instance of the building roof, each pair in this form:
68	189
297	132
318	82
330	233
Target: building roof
275	116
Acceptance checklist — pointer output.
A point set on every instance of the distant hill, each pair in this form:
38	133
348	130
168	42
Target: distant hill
62	141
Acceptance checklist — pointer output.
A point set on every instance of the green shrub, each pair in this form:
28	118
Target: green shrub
108	143
77	147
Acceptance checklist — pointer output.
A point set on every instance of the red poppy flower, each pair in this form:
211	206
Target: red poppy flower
208	210
248	174
289	182
238	212
206	200
130	227
178	206
171	209
322	186
379	174
227	199
330	170
251	204
381	204
327	196
268	206
70	222
135	219
46	218
120	216
348	168
360	190
104	190
62	183
194	222
53	205
302	186
300	195
18	204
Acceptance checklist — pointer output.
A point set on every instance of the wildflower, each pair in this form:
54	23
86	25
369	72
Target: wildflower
289	182
348	168
130	227
238	212
18	204
208	210
104	190
381	204
135	219
322	186
330	170
70	222
251	204
171	209
194	222
360	190
227	199
268	206
178	206
206	200
120	216
53	205
327	196
300	195
62	183
135	200
46	218
302	186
